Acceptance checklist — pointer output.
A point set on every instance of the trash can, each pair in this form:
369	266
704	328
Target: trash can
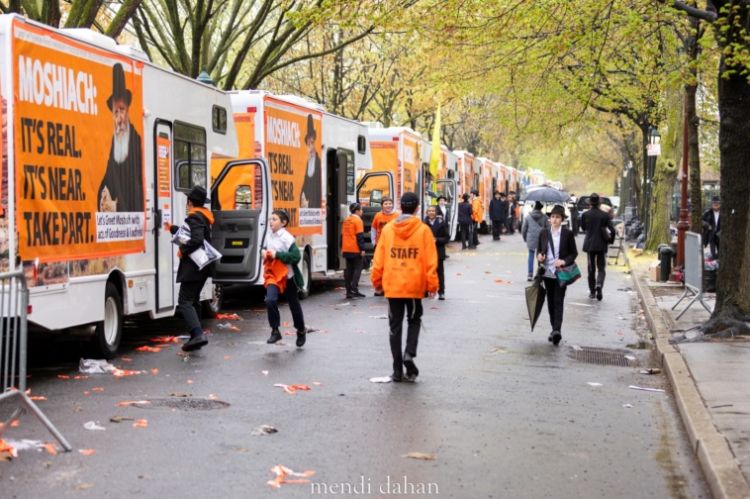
665	262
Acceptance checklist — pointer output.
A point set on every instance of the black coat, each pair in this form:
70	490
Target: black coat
711	230
125	180
464	213
597	225
568	250
200	230
498	210
440	231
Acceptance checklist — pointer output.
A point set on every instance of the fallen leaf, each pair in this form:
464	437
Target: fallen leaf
97	389
84	486
154	371
292	389
228	317
7	452
227	357
140	423
502	281
424	456
15	423
166	339
50	448
121	373
190	382
87	452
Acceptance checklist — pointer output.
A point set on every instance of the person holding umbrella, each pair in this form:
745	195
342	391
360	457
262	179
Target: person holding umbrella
557	249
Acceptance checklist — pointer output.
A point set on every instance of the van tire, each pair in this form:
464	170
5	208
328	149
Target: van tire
108	333
306	270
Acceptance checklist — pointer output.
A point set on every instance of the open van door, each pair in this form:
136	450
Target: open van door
372	188
240	203
447	187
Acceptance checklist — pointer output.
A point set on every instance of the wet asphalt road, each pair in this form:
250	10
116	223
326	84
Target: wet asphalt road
504	413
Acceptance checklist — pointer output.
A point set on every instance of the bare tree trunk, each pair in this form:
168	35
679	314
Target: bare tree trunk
663	184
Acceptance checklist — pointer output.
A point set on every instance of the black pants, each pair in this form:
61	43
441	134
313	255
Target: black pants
187	303
396	308
352	272
555	302
467	238
475	236
597	262
511	225
496	227
292	298
441	276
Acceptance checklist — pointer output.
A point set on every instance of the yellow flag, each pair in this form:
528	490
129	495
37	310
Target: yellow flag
435	154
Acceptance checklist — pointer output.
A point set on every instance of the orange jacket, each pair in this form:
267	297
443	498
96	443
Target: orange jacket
352	227
477	209
405	262
275	272
379	221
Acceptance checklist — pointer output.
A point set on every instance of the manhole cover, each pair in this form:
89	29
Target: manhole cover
182	404
603	356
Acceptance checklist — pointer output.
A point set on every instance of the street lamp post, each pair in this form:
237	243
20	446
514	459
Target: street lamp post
652	151
684	224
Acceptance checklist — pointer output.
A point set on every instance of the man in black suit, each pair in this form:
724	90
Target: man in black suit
440	231
599	235
712	227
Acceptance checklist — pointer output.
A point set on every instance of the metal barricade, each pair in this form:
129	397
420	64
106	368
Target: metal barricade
14	301
693	272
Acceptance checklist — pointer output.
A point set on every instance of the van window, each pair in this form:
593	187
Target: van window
350	171
219	119
189	156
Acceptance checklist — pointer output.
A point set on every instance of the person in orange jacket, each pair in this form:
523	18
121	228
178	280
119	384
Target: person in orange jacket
353	249
405	269
385	215
477	213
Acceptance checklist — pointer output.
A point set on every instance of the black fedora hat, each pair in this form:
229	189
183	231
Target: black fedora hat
119	90
198	195
310	128
558	210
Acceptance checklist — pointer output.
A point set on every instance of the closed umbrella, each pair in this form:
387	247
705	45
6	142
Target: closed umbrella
547	195
535	294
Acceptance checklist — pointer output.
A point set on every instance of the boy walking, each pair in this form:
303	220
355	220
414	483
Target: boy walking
405	268
353	250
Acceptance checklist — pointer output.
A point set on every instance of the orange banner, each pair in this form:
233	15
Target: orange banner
164	165
293	146
411	165
78	114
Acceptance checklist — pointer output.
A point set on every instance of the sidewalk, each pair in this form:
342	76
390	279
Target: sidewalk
710	379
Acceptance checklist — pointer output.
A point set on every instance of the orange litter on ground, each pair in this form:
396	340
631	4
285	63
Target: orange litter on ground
87	452
140	423
7	451
51	449
154	371
97	389
166	339
283	475
146	348
15	423
120	373
127	403
292	389
228	317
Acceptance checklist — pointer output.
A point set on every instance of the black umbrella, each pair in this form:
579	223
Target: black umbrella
547	195
535	295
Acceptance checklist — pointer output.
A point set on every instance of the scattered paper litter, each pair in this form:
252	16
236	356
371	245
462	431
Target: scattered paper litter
95	366
26	444
630	357
593	383
127	403
140	423
498	350
264	372
92	425
228	326
228	317
424	456
87	452
120	419
377	316
264	429
381	379
292	389
283	473
646	389
627	406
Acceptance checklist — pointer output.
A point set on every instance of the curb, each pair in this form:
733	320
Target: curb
720	468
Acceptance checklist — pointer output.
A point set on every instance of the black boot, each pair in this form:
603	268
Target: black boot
275	336
301	337
197	340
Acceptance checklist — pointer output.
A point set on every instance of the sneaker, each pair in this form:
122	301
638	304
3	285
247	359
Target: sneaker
549	338
530	278
556	337
301	337
195	343
592	295
599	295
397	377
275	336
378	293
411	367
358	294
411	378
441	296
350	296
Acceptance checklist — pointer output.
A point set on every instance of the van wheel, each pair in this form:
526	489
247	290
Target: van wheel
306	270
210	308
108	332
